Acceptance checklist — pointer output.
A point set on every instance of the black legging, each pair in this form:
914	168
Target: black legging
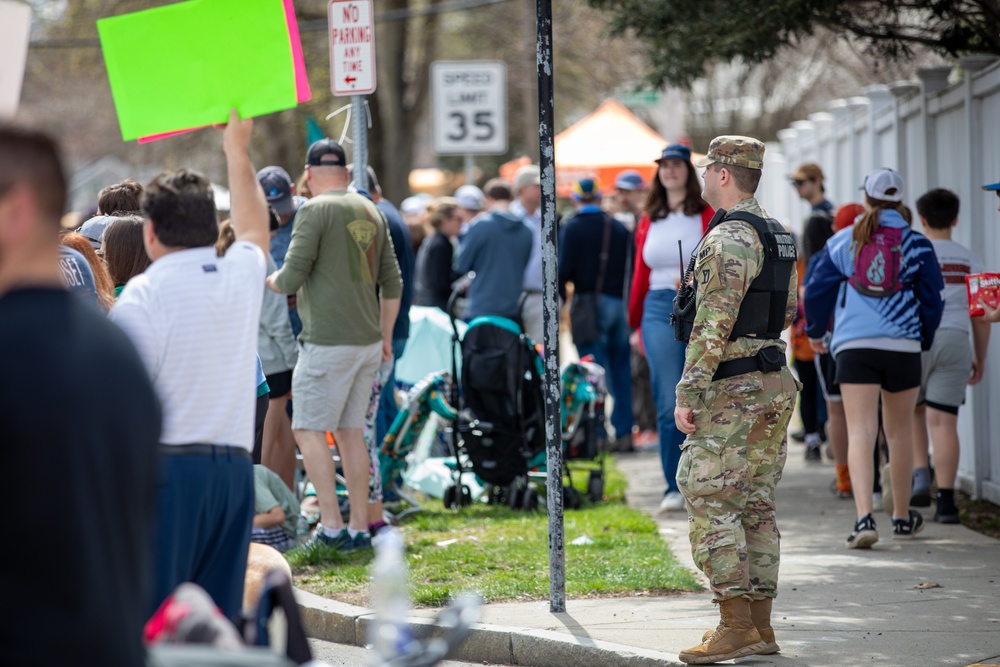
809	396
258	427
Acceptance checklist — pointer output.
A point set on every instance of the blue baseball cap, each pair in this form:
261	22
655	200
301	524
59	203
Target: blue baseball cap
994	187
629	180
277	186
675	151
586	189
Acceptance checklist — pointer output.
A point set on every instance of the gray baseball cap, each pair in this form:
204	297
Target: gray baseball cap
94	228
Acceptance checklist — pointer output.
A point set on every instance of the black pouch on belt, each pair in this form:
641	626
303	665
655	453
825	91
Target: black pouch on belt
770	359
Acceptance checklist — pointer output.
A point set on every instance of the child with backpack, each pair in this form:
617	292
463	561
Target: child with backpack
950	364
882	282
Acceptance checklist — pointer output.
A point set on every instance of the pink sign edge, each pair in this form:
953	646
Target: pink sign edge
301	78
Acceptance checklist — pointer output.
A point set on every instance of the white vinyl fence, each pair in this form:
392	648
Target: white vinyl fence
935	134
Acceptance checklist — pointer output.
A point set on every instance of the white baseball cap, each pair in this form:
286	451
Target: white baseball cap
885	184
470	197
413	206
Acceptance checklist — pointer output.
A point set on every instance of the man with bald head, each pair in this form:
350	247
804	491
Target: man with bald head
339	254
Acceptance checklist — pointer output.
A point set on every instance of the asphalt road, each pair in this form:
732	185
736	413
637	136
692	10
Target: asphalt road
341	655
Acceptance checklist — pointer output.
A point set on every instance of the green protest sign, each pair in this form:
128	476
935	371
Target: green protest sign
185	65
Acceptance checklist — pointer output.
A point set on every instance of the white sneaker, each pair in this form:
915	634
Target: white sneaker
672	502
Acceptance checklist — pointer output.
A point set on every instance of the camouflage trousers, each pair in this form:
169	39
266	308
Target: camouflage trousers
728	472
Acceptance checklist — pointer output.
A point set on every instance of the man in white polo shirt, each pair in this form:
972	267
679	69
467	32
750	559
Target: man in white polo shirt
194	319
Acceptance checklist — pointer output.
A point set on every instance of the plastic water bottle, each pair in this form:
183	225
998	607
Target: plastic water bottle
390	635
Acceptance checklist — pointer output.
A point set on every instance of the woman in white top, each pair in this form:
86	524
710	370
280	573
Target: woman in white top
673	222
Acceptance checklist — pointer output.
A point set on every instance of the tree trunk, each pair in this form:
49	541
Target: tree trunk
526	74
390	47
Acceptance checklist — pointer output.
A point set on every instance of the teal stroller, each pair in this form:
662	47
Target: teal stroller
427	397
583	398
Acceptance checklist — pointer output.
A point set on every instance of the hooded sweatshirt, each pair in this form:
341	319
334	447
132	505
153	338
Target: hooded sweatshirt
912	313
497	248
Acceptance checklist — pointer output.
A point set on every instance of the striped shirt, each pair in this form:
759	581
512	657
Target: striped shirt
956	262
194	319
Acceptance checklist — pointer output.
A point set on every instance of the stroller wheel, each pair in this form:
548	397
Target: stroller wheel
530	500
595	486
515	496
451	497
465	499
572	498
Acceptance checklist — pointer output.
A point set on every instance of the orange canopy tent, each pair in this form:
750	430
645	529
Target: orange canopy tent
604	143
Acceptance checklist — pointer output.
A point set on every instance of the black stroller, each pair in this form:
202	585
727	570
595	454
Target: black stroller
500	425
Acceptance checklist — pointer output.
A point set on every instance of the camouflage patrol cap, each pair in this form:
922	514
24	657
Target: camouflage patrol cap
734	150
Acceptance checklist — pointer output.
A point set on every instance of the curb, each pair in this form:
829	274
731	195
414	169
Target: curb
343	623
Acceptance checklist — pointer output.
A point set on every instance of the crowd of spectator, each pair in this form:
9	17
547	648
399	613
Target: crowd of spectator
238	352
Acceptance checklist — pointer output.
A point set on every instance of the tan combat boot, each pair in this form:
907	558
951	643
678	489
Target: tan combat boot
760	614
735	637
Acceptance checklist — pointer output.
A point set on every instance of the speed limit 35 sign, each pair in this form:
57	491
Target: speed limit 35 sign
469	107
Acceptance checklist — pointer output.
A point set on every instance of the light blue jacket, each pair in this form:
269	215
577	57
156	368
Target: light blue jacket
913	312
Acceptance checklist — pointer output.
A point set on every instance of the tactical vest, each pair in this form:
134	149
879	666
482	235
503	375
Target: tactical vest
762	312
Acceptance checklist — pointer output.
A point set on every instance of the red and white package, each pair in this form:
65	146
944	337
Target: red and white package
985	287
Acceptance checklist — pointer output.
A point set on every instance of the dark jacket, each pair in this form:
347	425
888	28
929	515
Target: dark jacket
402	245
580	253
434	274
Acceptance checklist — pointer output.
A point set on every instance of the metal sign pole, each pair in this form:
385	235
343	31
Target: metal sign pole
470	169
359	132
550	310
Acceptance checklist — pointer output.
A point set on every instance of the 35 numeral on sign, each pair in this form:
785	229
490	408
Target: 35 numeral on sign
482	125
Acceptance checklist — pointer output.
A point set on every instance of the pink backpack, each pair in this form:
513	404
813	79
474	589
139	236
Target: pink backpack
877	264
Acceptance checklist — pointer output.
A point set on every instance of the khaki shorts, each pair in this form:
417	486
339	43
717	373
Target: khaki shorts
331	386
946	369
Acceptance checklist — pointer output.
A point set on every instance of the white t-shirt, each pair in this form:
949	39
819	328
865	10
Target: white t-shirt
956	262
660	250
194	319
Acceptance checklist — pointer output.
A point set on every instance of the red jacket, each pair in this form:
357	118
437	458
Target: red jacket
640	271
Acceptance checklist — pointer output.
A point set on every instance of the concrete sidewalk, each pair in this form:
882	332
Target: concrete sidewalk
836	607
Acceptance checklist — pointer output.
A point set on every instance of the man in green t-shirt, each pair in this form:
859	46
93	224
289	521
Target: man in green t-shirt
341	264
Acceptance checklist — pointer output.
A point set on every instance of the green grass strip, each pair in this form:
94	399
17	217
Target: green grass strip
502	554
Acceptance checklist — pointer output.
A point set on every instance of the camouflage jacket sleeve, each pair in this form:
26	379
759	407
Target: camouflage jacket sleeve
728	261
792	305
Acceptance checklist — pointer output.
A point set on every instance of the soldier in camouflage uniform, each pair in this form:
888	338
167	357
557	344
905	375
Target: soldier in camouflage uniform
736	445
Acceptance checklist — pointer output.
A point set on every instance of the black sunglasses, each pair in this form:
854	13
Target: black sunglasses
799	182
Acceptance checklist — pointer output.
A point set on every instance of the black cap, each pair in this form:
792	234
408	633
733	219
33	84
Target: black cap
326	153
